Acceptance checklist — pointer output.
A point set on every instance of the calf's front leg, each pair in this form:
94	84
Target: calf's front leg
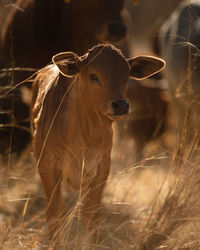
51	176
91	196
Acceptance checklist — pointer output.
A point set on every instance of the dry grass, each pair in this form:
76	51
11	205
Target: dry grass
152	205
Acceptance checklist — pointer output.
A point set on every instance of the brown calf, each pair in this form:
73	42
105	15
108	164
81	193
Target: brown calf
74	102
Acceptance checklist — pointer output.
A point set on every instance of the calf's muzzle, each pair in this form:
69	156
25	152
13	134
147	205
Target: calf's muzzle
120	107
117	30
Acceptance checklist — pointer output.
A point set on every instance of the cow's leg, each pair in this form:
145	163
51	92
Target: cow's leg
51	176
91	196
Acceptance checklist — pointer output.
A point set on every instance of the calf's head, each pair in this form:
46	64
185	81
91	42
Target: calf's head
102	77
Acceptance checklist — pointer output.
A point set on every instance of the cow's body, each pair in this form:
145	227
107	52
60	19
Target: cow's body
148	122
35	30
179	40
74	103
147	17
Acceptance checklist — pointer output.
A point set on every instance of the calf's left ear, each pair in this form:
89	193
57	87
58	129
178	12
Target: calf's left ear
68	63
145	66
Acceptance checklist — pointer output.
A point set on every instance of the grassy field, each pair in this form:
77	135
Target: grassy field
153	204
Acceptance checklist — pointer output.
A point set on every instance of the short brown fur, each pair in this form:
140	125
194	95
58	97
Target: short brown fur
71	118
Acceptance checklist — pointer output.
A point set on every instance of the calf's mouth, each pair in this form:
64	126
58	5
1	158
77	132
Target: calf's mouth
117	109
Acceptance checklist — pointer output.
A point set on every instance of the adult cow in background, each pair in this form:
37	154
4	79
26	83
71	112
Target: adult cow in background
149	120
180	46
151	98
32	32
147	17
35	30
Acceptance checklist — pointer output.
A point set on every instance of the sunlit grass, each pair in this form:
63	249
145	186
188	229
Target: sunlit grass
153	204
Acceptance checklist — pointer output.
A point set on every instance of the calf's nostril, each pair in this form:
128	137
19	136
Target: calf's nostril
127	104
115	105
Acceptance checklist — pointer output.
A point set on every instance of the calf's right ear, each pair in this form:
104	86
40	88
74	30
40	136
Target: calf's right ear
68	63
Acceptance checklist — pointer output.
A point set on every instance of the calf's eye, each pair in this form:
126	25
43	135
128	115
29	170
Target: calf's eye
94	78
